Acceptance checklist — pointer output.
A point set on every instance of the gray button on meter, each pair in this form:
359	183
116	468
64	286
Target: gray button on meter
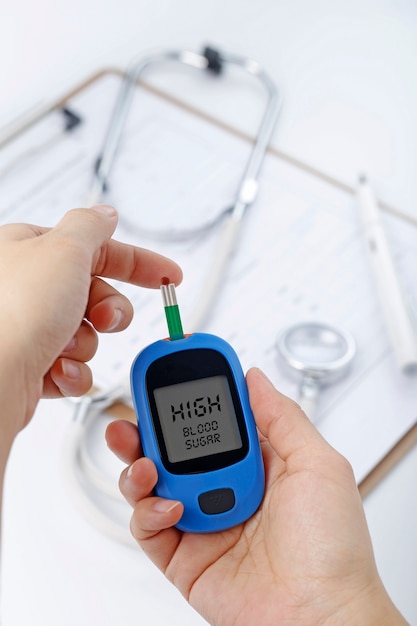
217	501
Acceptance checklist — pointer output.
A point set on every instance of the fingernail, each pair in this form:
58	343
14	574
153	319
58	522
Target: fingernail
106	209
116	319
70	369
165	506
129	471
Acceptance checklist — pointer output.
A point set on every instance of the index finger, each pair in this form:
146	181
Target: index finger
92	230
134	265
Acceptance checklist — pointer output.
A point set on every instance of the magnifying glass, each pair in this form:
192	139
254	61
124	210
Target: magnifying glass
320	354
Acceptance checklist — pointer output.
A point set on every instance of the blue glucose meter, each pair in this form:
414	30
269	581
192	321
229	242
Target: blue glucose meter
196	424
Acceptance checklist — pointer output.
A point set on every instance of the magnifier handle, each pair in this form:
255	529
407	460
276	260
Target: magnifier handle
308	396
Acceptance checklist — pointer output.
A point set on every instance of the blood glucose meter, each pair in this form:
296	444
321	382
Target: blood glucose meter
196	424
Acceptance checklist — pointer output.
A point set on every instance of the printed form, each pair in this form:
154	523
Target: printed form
300	255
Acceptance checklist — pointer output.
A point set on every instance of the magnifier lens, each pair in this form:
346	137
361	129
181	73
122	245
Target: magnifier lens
316	345
320	353
316	349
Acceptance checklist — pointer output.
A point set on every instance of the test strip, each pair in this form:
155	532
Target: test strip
172	313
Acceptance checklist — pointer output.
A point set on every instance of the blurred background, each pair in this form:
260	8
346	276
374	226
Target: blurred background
348	72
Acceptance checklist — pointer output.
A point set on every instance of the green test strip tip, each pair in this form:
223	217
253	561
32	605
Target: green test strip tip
172	312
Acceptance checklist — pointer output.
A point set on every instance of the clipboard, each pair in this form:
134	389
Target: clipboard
298	173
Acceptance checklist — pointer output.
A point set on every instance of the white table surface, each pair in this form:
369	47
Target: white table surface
348	73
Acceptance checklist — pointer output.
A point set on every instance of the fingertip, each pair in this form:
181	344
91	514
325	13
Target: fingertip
256	374
172	273
138	480
178	275
71	377
261	390
105	209
280	419
112	314
153	515
122	438
111	434
168	507
141	470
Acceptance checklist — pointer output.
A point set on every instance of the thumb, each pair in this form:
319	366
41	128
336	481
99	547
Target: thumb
282	421
90	228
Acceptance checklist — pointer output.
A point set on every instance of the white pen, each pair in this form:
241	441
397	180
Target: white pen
400	326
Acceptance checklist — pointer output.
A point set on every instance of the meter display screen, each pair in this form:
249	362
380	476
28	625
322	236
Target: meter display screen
197	418
196	411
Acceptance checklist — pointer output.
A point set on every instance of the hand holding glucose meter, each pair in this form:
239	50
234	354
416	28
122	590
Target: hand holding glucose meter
196	424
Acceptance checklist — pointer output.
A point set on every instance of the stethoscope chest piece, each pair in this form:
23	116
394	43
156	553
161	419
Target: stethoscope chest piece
319	354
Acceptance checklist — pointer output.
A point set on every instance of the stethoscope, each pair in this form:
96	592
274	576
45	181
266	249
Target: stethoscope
230	219
314	371
318	354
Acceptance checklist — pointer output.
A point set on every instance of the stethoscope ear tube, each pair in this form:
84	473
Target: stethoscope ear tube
76	486
82	476
214	61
